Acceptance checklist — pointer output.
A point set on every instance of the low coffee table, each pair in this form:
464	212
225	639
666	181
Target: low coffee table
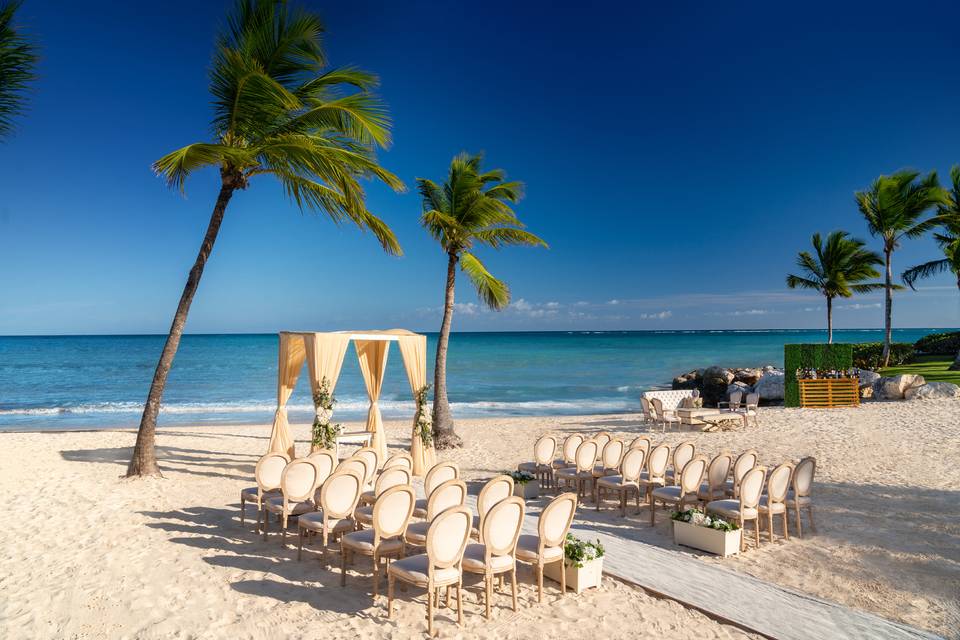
692	416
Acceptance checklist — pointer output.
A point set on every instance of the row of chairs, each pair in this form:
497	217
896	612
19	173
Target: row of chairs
736	488
330	501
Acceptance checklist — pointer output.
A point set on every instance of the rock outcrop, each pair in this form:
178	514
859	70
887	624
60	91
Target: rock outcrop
770	386
716	383
933	391
896	387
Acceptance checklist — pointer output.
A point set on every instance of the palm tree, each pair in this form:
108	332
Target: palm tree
948	241
276	112
893	208
471	208
838	271
18	57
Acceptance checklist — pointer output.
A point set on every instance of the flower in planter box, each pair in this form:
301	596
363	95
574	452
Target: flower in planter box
520	477
701	519
577	551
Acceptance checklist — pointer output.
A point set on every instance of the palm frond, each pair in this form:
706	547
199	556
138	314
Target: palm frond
18	60
504	236
177	165
925	270
494	293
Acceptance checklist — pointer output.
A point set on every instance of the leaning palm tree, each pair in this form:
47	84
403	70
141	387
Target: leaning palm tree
893	208
276	112
838	271
471	208
18	57
948	239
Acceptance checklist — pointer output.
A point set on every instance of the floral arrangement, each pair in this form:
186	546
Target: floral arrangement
324	434
699	518
578	551
424	425
697	402
520	477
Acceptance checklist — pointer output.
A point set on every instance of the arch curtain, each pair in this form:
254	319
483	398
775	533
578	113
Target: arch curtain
372	355
413	348
292	354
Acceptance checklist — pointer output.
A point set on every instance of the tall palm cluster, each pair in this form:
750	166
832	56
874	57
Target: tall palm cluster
18	60
897	207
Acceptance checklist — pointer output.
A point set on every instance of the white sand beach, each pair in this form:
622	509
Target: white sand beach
86	554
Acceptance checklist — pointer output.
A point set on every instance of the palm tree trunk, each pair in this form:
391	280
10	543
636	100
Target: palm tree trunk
443	433
956	361
829	320
888	308
144	460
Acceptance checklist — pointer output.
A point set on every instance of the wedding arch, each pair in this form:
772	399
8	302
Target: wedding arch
324	353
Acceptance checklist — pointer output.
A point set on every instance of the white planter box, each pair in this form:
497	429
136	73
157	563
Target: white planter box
721	543
528	491
578	578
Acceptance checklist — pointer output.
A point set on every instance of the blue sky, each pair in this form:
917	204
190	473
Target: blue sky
676	159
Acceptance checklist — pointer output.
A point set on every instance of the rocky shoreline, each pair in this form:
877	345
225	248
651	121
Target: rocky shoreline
716	383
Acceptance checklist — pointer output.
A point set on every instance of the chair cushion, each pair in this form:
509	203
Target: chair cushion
368	497
314	522
364	515
560	463
616	482
792	501
571	472
645	480
776	507
730	509
530	467
668	494
527	547
420	508
414	569
417	533
275	505
363	541
473	560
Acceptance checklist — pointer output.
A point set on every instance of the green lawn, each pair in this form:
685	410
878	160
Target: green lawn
932	368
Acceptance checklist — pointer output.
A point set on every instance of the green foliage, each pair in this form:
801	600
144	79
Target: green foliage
18	60
841	265
424	424
894	205
520	477
869	355
701	519
277	111
323	434
943	344
932	368
811	356
948	239
473	208
579	551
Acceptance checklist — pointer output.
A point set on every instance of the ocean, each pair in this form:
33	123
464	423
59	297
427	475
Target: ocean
83	382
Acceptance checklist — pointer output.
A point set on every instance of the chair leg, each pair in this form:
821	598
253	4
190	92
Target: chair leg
796	510
786	526
539	583
813	527
460	602
243	508
343	565
563	578
299	543
653	510
376	575
488	586
430	594
513	587
389	596
743	535
756	528
770	524
266	524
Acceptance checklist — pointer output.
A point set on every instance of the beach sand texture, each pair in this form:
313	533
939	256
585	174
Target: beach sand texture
85	554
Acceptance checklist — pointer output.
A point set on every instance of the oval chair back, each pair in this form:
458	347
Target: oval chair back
717	474
555	520
452	493
744	462
612	454
438	474
778	483
682	454
751	487
269	471
372	457
602	439
632	464
657	404
803	477
645	408
734	400
389	478
753	399
544	450
325	462
586	456
399	460
340	493
570	446
643	442
657	462
392	512
692	475
354	463
501	527
447	538
298	481
492	493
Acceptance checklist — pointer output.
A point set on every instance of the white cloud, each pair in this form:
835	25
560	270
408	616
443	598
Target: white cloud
857	306
614	301
662	315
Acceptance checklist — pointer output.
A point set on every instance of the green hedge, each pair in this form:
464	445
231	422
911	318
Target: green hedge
811	356
869	355
939	344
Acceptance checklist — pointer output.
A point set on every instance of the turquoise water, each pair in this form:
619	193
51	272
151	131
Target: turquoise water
102	381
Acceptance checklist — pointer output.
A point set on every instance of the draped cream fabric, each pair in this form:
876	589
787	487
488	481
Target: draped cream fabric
414	350
290	362
373	364
325	352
